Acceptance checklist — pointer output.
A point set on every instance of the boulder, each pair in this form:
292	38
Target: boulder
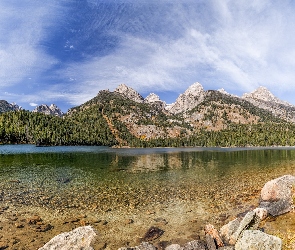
174	247
194	245
228	230
261	213
257	240
277	195
212	237
80	238
250	221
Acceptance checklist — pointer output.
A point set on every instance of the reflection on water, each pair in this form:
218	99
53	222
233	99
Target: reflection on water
136	176
182	185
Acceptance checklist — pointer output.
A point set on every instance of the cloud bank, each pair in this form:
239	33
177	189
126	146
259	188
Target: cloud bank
69	51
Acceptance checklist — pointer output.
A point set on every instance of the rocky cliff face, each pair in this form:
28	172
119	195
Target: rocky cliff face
5	106
155	100
129	93
262	94
193	96
264	99
48	110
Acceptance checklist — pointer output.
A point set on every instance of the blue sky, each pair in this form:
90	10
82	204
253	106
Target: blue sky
65	51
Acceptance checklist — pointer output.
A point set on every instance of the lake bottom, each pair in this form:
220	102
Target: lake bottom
123	193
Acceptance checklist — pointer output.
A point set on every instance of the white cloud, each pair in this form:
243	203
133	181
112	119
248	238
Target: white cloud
23	27
236	45
32	104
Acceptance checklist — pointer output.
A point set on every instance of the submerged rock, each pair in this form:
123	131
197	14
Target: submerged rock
277	195
153	233
80	238
257	240
142	246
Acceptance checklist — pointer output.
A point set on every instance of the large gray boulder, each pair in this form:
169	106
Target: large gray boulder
257	240
277	195
250	221
80	238
228	230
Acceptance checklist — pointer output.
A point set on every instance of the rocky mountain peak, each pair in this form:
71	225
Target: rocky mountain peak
263	94
5	106
223	91
129	93
195	89
48	110
152	97
188	100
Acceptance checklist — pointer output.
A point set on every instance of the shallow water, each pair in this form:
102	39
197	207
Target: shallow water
187	187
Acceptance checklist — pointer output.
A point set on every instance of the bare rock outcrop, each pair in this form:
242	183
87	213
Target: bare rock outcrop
80	238
154	99
264	99
188	100
129	93
48	110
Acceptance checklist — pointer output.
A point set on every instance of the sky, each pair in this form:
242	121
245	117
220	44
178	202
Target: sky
66	51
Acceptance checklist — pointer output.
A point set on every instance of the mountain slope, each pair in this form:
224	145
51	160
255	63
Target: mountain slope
264	99
188	100
123	118
6	107
133	123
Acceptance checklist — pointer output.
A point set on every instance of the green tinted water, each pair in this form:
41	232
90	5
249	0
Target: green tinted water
213	184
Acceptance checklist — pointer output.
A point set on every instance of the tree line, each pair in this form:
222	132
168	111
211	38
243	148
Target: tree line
99	122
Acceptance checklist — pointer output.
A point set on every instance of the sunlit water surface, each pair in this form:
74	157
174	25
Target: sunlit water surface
186	187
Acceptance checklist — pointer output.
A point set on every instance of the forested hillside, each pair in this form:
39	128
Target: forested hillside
113	120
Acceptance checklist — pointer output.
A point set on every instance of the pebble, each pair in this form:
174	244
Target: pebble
129	221
18	225
43	228
34	219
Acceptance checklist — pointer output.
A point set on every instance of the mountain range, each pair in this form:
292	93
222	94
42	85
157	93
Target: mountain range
198	117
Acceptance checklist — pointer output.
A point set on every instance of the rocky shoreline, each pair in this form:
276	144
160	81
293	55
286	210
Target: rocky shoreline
242	233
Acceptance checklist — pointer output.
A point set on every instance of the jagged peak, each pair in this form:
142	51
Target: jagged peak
188	100
48	110
195	89
128	92
152	97
261	93
223	91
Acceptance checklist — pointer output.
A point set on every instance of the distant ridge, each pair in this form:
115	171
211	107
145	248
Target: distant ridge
123	118
5	106
48	110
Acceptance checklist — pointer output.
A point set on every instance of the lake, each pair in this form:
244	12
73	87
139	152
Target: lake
122	192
